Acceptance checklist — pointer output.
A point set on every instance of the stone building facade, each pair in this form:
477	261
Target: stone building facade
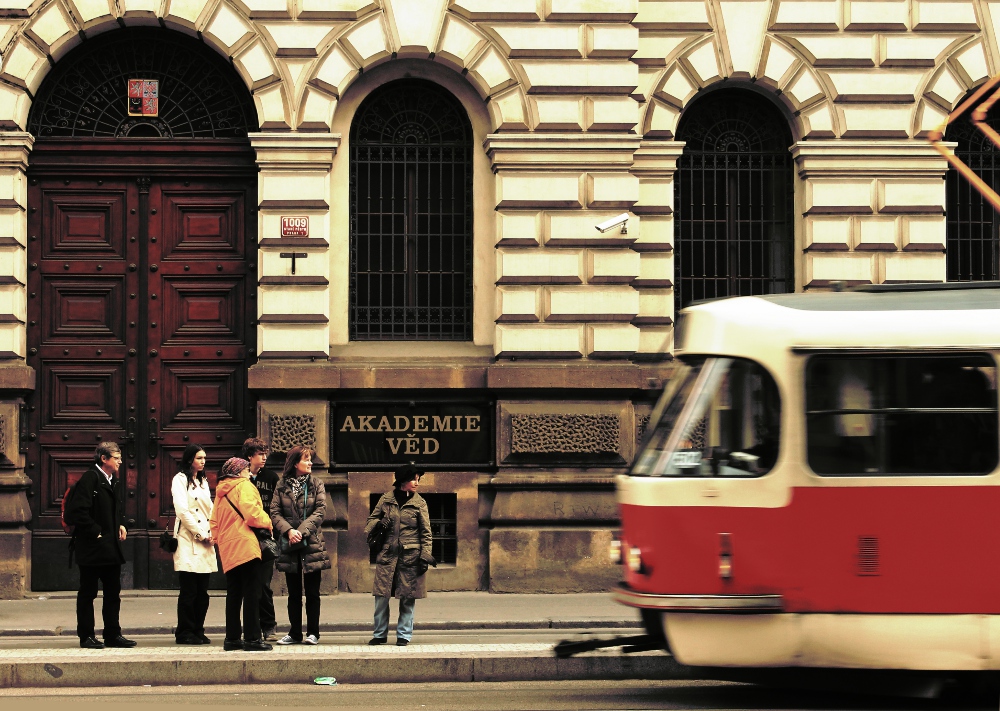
461	312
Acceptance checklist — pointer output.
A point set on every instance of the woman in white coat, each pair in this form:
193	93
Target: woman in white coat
194	559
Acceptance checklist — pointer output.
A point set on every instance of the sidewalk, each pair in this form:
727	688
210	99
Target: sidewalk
26	660
156	612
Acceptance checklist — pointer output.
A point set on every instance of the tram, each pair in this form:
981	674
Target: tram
819	483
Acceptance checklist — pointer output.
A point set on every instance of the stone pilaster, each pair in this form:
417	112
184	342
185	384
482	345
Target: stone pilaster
293	309
564	289
872	212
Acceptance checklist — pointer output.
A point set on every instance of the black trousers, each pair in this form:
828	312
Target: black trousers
267	618
110	576
192	604
243	591
294	581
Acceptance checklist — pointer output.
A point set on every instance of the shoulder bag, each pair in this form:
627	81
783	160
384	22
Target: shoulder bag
284	545
168	541
378	535
268	548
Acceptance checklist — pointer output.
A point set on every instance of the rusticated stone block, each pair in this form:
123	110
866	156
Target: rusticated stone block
538	560
288	431
561	434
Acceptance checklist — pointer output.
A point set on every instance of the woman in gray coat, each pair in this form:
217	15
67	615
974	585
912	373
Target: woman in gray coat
403	560
298	508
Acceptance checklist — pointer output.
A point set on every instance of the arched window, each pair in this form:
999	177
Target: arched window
411	215
198	95
973	226
733	196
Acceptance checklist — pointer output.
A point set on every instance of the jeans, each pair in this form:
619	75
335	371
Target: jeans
267	619
111	577
404	623
243	591
294	582
192	604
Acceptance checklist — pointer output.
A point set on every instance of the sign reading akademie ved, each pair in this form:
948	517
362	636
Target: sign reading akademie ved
395	433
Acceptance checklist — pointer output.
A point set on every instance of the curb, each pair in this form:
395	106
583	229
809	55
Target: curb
248	668
362	627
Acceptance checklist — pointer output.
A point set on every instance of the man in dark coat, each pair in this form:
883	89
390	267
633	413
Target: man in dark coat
255	451
96	511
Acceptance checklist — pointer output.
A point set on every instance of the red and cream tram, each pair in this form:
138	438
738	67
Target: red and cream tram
819	484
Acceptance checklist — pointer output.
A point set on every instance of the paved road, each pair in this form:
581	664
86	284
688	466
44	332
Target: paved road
540	696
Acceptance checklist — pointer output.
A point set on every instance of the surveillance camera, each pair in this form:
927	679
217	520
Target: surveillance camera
621	220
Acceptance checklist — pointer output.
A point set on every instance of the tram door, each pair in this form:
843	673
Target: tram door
140	291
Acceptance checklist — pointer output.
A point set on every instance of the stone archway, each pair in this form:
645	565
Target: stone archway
141	243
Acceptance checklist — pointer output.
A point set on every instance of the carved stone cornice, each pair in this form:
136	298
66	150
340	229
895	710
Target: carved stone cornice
561	151
857	158
295	151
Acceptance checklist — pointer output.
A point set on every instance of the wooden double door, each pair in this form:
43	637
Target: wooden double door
141	288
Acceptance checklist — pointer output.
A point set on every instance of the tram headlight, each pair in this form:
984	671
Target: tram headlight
615	552
634	559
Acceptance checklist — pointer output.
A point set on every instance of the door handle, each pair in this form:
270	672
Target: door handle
154	436
129	438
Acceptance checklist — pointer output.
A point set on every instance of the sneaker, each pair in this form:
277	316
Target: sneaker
311	639
270	635
288	639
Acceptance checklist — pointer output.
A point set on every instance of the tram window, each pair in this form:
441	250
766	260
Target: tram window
721	419
902	415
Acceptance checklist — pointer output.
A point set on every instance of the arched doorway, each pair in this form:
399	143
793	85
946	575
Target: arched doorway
141	243
973	226
733	197
411	215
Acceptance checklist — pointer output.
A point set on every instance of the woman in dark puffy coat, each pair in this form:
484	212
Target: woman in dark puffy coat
298	509
403	560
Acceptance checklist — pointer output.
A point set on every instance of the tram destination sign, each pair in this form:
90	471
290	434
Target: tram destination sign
294	226
433	434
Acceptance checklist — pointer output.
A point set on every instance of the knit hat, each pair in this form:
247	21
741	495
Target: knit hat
233	467
403	474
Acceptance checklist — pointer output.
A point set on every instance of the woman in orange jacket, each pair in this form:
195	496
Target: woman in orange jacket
237	511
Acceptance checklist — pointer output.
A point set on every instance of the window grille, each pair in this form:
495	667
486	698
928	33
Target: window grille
86	94
733	199
411	216
973	228
443	510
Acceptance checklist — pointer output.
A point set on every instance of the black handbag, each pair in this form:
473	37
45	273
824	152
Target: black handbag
285	546
168	542
378	535
268	548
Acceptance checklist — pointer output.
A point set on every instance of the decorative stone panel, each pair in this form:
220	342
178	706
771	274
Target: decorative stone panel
286	424
565	432
288	431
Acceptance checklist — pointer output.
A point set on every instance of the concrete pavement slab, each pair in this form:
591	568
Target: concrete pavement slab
155	612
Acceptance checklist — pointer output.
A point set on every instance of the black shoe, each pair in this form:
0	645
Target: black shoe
402	642
91	643
231	646
120	642
202	639
257	645
377	640
189	639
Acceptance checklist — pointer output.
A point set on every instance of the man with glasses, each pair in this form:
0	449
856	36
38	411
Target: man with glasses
96	511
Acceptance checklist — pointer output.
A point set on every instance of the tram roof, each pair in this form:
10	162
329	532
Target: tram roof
940	316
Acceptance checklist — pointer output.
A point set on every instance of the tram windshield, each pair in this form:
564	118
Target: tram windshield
720	417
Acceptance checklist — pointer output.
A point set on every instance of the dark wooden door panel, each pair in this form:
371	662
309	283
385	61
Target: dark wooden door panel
203	311
204	224
81	220
83	309
140	331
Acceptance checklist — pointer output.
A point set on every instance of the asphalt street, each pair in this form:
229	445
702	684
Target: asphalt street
512	696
